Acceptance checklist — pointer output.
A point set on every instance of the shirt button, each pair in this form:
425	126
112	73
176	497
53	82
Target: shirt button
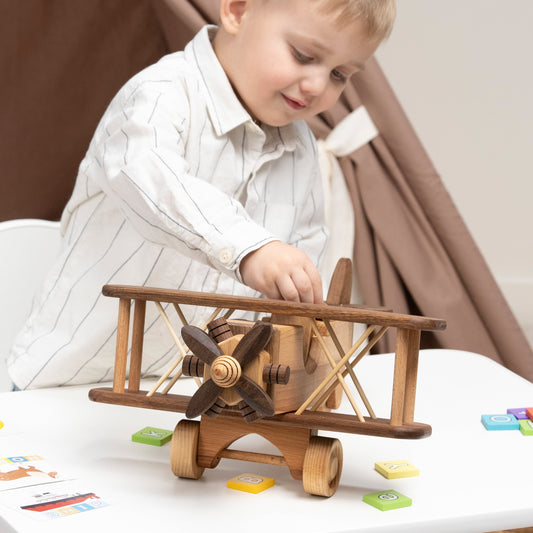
225	256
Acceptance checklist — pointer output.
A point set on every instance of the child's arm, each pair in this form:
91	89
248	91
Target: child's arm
144	172
281	271
138	158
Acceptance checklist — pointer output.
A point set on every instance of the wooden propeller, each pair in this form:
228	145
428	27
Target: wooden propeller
226	370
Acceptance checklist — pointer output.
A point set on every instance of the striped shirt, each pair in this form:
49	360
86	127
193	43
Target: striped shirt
177	186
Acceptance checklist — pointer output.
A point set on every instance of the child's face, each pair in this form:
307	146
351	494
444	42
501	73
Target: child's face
288	62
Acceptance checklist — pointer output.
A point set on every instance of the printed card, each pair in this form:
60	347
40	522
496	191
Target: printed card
27	470
47	502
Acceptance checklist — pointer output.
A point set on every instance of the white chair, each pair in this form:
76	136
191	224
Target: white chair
27	250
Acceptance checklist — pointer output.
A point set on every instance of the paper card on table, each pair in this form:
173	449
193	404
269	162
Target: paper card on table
25	470
52	501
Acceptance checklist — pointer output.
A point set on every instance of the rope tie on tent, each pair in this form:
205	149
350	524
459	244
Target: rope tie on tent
352	132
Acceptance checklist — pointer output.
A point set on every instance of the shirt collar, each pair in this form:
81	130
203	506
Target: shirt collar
225	109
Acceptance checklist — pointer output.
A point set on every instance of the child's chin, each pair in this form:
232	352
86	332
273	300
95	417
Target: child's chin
277	122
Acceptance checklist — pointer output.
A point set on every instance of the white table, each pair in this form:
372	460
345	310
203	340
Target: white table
471	479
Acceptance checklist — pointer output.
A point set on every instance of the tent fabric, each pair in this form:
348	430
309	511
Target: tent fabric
412	250
61	62
64	60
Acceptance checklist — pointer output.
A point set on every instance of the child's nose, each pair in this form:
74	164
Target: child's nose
314	84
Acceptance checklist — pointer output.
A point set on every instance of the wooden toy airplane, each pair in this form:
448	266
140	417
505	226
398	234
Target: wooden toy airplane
281	377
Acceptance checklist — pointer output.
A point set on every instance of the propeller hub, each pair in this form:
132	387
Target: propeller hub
226	371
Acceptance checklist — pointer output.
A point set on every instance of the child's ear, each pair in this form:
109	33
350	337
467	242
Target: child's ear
232	13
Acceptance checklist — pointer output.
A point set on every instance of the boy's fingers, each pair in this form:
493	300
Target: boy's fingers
316	284
304	286
280	271
288	289
301	286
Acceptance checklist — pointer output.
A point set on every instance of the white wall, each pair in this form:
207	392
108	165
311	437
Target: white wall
463	71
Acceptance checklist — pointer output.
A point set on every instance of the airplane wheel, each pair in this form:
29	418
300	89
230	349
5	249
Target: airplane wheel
322	466
184	450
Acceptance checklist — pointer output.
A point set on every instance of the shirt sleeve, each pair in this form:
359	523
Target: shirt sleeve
140	148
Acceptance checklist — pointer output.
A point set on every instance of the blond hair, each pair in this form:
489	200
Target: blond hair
377	15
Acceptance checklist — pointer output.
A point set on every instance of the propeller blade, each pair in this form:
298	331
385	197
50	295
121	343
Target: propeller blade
255	396
252	343
203	399
200	343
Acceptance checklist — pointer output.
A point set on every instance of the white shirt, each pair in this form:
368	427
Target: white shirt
177	186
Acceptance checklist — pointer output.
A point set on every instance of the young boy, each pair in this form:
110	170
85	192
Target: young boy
201	175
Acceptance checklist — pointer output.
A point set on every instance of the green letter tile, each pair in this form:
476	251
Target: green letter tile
526	427
385	500
154	436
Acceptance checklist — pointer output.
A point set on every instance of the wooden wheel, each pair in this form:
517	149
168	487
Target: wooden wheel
322	466
184	449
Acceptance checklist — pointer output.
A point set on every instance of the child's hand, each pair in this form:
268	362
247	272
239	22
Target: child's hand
283	272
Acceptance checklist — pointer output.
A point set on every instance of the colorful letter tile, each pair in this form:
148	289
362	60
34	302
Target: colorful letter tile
529	412
250	483
153	436
386	500
519	412
497	422
526	427
396	469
